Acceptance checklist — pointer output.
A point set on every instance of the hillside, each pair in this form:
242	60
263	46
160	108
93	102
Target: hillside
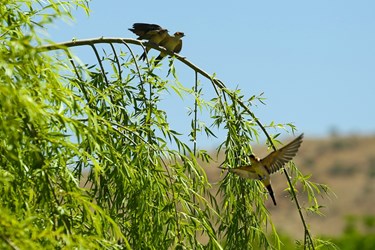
345	164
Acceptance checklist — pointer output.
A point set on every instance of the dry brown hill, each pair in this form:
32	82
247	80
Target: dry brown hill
345	164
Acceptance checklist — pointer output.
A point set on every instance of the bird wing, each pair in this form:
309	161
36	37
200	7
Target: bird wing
252	172
150	34
277	159
161	35
178	47
146	26
154	36
167	41
245	172
145	30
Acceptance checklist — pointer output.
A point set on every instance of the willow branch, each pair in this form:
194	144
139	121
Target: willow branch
216	82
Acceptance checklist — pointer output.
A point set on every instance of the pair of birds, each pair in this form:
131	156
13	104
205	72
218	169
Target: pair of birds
158	36
261	169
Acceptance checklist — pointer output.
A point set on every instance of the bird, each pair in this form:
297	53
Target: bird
261	169
156	36
171	43
151	32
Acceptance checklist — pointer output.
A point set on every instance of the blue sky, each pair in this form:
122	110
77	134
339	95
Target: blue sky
314	60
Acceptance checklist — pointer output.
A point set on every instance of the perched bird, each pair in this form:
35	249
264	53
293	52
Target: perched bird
151	32
156	36
159	36
261	169
171	43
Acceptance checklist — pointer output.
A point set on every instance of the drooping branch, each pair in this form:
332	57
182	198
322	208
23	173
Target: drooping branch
216	82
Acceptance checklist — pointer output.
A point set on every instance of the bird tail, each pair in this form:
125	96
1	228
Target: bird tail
143	56
270	191
158	59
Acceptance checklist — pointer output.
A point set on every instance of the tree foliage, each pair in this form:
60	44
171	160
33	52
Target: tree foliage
86	155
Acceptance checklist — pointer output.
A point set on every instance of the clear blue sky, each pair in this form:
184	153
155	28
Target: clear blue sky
314	60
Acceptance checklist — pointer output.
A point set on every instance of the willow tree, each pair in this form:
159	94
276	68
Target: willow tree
89	159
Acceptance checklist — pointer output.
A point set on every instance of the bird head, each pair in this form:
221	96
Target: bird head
163	32
253	158
179	34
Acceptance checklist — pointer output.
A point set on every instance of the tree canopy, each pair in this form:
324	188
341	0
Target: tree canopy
86	155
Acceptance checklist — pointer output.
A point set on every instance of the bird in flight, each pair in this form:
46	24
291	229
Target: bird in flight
158	36
261	169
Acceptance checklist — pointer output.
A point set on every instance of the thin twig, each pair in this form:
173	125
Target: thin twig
117	62
195	114
9	242
195	127
135	61
163	162
100	63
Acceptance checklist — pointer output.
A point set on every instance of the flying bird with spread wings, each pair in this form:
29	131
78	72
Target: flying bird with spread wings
261	169
158	36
